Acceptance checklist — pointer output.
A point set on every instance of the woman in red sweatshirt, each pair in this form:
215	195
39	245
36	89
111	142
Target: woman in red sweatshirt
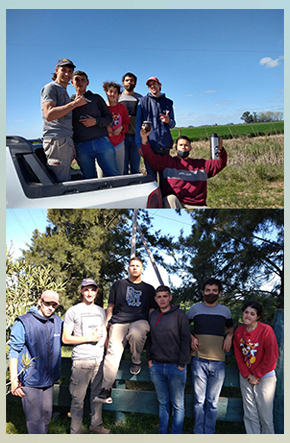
121	121
256	352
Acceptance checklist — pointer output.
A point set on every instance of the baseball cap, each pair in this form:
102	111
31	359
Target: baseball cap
154	79
65	62
88	282
50	296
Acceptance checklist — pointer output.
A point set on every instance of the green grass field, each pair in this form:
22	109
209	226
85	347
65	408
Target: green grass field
230	131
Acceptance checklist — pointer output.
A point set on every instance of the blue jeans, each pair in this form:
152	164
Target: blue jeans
207	378
100	149
132	157
169	384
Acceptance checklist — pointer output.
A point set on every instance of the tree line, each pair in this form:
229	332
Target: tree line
262	117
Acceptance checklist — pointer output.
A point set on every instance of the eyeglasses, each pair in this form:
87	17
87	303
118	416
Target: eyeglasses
50	303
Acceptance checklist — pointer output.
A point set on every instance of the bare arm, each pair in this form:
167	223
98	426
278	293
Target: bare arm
228	339
53	112
15	383
109	312
69	339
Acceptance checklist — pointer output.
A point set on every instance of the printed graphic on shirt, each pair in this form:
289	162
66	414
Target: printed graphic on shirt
133	297
249	351
117	121
90	323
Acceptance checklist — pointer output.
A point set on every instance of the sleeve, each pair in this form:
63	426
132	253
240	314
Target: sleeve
213	167
139	121
190	314
69	318
184	331
148	344
238	354
48	94
270	354
112	295
172	122
17	339
106	116
157	162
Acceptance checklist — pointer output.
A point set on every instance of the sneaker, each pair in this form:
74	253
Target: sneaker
135	369
104	396
99	430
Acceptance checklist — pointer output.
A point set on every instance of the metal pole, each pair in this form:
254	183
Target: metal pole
133	239
150	255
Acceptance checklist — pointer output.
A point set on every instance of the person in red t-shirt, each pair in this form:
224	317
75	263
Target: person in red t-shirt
120	124
256	352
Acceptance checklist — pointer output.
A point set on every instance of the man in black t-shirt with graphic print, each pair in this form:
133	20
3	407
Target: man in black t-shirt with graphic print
130	302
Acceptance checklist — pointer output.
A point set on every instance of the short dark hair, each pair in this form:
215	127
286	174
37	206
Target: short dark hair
129	74
80	73
255	305
162	288
183	137
107	85
136	258
213	281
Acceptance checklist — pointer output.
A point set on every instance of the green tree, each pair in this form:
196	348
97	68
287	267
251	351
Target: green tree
244	249
247	117
24	286
80	243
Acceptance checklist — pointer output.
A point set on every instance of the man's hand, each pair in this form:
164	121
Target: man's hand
220	143
16	389
150	363
227	343
144	135
95	337
80	101
165	117
89	121
194	343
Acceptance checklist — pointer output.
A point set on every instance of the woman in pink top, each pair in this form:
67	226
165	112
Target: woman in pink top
121	121
256	352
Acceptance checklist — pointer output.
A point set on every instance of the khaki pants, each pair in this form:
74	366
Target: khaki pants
258	405
85	372
135	333
59	154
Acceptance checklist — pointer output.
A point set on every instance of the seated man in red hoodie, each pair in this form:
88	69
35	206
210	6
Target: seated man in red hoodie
184	179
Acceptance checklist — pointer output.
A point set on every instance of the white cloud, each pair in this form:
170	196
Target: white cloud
269	62
210	91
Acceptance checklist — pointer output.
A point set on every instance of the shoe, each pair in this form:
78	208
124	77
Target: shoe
99	430
104	396
135	369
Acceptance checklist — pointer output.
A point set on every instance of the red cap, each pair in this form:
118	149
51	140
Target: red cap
154	79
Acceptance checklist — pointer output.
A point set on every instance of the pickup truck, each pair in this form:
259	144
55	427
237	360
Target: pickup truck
29	184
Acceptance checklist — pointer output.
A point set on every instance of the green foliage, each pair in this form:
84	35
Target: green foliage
24	285
230	131
244	249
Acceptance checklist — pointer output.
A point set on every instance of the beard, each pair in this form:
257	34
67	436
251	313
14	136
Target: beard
129	87
211	298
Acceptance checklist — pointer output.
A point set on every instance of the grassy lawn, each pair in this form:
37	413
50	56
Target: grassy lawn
134	423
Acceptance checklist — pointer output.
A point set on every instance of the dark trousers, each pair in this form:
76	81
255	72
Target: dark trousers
37	406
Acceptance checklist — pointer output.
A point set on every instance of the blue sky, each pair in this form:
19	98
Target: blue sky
214	64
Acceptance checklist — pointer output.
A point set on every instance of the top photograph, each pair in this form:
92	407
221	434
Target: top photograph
153	108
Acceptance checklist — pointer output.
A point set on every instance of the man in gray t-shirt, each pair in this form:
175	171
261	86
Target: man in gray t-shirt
56	108
84	328
130	99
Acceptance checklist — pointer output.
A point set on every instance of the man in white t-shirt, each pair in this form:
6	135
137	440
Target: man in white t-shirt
84	328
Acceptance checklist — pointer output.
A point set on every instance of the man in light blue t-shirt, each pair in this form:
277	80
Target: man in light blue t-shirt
57	107
84	328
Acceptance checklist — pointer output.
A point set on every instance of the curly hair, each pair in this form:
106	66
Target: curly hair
107	85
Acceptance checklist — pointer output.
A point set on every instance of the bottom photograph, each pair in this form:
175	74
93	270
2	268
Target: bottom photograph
156	321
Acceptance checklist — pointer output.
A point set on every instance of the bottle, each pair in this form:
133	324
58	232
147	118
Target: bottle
214	146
